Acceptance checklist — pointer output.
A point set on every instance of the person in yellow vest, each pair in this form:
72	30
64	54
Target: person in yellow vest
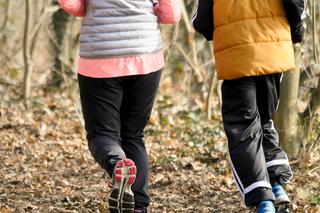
253	47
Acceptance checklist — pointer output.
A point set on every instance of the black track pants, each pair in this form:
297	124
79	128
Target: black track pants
248	105
116	111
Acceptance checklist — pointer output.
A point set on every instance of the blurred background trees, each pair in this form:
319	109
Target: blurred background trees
39	49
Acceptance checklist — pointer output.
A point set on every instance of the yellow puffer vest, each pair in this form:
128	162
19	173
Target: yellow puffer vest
251	37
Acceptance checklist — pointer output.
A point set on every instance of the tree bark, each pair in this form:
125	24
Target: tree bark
314	105
286	118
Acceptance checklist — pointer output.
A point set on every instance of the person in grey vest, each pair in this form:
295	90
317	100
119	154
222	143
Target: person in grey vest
119	71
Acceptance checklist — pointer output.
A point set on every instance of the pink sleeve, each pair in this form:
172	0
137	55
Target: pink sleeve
168	11
73	7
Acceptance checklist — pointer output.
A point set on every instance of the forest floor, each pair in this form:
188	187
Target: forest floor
45	165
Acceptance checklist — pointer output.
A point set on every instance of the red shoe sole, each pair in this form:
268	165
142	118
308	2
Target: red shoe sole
121	199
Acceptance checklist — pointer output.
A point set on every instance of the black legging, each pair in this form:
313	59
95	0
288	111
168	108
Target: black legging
116	111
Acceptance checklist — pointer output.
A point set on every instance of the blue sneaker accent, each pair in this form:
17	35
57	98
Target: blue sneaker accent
266	206
280	195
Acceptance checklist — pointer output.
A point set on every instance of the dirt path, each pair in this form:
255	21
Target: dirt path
45	165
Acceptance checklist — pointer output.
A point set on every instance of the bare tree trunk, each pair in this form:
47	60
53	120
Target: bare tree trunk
314	29
314	105
286	119
26	56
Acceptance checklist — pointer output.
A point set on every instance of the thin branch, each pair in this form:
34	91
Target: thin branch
213	79
185	55
210	92
191	43
49	10
7	83
26	56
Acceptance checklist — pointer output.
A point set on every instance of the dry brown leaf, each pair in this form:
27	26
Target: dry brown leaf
197	166
227	180
302	193
5	209
103	208
315	209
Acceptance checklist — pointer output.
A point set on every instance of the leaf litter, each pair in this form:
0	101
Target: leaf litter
45	165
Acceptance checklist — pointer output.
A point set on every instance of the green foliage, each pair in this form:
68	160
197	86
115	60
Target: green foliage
315	200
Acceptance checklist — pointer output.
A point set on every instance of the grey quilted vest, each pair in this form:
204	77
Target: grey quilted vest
119	28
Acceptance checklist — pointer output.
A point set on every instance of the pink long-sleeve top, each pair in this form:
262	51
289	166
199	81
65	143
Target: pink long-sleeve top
167	11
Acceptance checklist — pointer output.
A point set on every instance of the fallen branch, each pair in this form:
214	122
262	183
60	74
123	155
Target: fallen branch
7	83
